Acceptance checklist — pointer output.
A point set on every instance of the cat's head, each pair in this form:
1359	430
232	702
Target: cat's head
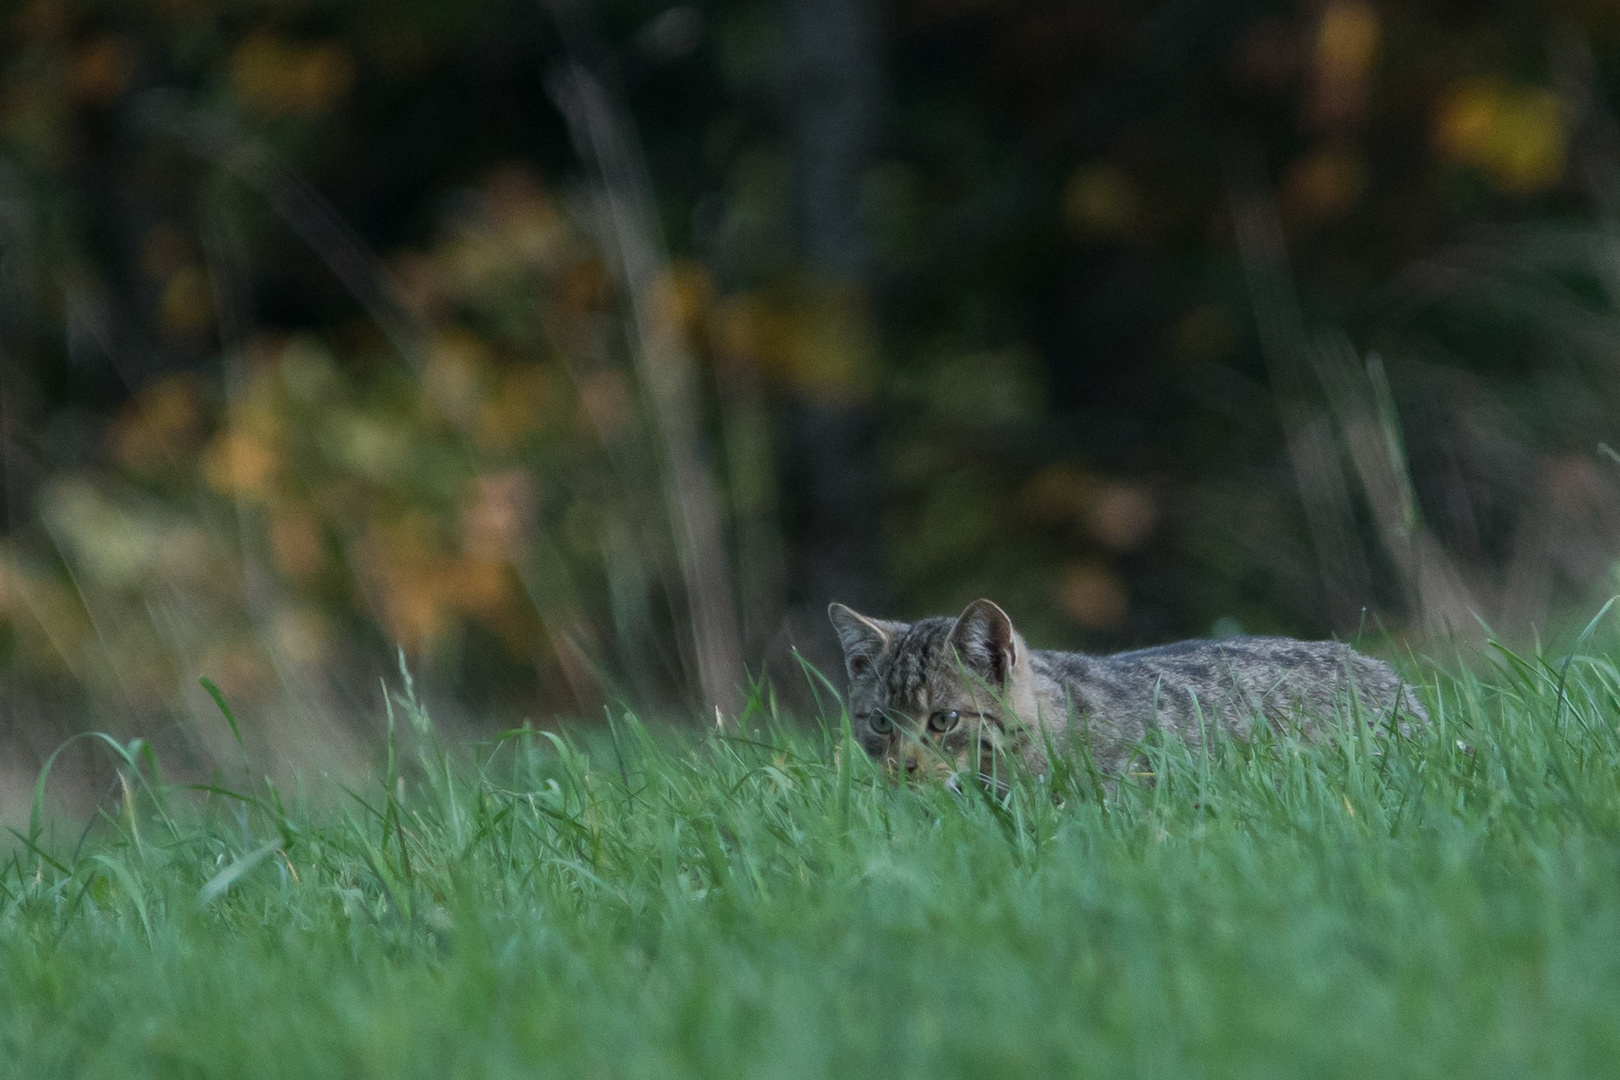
939	696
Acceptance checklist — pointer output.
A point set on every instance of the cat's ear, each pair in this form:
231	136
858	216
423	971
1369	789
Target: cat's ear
985	641
863	639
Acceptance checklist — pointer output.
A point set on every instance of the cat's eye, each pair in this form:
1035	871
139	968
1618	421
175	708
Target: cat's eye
880	723
943	721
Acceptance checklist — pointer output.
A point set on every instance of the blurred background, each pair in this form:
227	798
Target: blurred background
582	352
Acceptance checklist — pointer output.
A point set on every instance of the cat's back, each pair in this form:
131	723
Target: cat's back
1199	658
1203	658
1234	677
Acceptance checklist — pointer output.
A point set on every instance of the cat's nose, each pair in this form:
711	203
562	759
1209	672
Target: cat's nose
911	763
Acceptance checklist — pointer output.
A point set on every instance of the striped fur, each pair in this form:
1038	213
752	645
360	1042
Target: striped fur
940	696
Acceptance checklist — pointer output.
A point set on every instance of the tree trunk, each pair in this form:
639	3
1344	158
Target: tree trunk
835	103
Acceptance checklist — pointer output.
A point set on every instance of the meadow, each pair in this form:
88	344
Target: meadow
658	901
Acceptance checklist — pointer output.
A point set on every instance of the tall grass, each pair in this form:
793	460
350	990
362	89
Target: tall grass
755	903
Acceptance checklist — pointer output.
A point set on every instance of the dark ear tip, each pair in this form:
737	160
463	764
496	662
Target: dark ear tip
985	606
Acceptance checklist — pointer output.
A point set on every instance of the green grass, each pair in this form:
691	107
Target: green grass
746	906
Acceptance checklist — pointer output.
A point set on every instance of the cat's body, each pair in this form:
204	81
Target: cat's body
943	695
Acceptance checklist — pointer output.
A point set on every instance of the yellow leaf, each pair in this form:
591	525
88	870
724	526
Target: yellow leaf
1092	595
240	466
1517	136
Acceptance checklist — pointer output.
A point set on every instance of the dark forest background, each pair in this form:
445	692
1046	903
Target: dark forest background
584	352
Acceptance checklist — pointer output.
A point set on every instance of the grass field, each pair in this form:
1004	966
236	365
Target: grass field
751	905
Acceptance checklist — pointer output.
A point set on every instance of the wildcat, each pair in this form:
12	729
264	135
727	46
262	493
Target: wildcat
941	696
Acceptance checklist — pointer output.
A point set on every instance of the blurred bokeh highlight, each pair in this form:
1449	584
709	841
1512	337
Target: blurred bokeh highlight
583	352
